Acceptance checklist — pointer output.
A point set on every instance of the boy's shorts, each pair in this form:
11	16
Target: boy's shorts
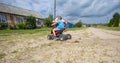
56	29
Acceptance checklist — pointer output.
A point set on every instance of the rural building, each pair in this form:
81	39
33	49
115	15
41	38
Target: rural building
69	24
13	15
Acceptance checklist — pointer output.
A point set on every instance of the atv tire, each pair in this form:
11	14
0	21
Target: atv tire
62	37
68	36
50	37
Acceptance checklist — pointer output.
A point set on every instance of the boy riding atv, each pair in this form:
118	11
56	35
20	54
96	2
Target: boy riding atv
60	25
58	30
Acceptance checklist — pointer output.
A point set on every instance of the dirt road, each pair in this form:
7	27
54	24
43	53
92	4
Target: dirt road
90	45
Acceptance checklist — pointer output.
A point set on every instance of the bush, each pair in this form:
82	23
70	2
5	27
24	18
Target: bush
114	22
48	21
116	18
3	25
105	24
31	22
78	24
21	26
110	24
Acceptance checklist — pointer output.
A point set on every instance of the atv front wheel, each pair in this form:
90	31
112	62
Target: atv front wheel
62	37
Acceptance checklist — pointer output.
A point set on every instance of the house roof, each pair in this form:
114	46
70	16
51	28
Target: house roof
17	10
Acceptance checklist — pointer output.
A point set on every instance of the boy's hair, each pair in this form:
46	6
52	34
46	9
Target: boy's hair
60	17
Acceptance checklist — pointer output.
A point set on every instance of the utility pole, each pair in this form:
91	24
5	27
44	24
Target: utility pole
54	9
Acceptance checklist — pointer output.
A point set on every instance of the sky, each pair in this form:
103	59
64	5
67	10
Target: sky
88	11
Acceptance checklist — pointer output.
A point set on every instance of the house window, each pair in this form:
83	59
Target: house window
2	18
38	22
20	19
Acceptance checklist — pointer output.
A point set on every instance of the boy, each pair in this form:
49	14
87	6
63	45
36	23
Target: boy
60	24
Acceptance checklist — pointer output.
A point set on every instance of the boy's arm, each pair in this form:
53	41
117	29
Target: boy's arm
53	24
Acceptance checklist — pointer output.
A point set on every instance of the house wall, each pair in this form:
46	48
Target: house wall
13	19
8	18
2	17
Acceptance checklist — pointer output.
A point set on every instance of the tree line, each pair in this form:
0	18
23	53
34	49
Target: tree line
49	19
115	21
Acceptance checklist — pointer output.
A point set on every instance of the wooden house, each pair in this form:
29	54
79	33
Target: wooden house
13	15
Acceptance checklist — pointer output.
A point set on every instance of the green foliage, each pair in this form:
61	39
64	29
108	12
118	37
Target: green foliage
105	24
78	24
114	22
21	25
3	25
50	17
111	23
30	22
88	25
116	18
48	21
11	26
41	31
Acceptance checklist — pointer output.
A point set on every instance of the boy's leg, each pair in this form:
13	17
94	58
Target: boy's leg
55	29
54	32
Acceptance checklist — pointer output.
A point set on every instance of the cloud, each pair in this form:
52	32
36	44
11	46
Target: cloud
89	11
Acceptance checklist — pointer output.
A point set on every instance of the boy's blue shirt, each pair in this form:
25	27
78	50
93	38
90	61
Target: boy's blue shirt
60	24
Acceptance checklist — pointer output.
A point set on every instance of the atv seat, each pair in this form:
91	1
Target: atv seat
58	31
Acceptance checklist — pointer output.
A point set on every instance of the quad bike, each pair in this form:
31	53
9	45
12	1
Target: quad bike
59	35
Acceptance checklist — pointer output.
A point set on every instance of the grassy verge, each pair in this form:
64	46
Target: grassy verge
27	31
43	31
110	28
40	31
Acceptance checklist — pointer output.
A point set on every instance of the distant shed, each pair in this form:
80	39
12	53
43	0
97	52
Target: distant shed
69	25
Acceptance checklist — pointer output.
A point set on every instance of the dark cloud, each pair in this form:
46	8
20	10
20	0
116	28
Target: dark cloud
90	11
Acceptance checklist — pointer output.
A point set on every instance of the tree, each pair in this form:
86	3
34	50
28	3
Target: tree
50	17
114	22
116	18
3	25
78	24
48	20
111	23
30	22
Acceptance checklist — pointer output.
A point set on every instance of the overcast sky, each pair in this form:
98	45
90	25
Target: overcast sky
89	11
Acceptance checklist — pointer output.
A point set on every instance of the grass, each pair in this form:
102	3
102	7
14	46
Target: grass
2	55
42	31
110	28
27	31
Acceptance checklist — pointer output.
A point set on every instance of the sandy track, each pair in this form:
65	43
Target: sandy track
105	34
86	46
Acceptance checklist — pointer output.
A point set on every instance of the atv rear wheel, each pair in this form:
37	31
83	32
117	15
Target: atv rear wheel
68	36
62	37
50	37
